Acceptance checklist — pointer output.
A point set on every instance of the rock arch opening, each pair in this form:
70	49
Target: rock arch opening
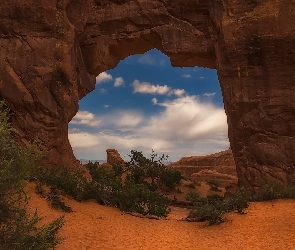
52	51
145	103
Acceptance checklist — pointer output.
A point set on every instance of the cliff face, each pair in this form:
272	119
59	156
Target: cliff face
51	51
222	162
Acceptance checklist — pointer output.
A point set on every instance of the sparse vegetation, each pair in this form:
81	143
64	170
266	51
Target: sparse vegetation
214	184
140	169
192	196
213	207
271	190
137	193
19	230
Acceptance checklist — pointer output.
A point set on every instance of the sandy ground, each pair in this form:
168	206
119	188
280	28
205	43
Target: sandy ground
268	225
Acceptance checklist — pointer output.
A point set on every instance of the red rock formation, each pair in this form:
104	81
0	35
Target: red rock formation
207	175
222	162
51	51
113	157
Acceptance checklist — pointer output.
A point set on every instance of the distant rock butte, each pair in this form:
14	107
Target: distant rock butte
113	157
51	51
223	162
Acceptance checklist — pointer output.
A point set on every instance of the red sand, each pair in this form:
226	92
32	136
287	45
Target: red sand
268	225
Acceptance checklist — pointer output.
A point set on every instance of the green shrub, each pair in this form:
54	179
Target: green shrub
213	207
138	198
18	230
140	168
73	183
170	177
271	190
214	184
107	188
192	196
207	212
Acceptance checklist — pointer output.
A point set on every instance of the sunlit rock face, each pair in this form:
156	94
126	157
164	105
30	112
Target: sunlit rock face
113	157
51	51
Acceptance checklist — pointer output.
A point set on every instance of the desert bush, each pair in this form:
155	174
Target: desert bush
138	198
207	212
19	230
108	188
237	201
170	177
213	207
73	183
140	168
214	184
271	190
192	196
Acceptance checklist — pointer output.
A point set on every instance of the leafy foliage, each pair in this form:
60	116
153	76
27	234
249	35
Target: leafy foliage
140	169
192	196
134	194
213	207
138	198
18	230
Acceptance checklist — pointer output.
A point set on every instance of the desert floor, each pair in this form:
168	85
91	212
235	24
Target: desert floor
267	225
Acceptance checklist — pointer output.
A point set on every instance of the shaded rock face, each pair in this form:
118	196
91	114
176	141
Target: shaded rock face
113	157
51	51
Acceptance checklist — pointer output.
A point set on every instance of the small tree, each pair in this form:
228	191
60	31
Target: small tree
140	169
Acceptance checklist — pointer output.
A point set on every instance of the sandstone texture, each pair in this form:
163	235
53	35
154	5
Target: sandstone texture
113	157
51	51
219	166
222	162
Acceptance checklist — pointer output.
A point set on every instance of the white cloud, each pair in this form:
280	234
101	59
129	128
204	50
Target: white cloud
127	120
209	94
148	88
103	77
201	77
187	118
186	127
85	118
179	92
154	101
187	76
119	82
106	106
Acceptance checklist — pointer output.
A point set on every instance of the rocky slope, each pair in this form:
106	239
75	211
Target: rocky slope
51	51
219	166
223	162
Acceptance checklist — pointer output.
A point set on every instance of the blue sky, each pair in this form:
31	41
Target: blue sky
144	104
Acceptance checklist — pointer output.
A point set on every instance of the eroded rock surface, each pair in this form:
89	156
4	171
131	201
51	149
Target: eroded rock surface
51	51
222	162
113	157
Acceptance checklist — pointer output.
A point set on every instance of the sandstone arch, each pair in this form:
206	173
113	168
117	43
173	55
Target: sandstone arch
52	50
